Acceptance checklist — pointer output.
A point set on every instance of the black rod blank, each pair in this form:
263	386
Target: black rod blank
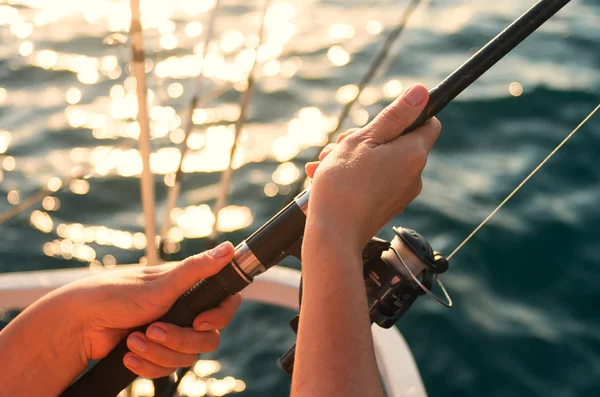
484	59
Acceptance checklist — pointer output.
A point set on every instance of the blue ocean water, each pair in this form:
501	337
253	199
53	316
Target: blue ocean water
525	288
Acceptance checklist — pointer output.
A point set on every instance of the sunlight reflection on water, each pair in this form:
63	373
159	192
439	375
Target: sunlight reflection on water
69	108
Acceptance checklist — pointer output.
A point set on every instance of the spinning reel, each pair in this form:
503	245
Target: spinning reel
395	274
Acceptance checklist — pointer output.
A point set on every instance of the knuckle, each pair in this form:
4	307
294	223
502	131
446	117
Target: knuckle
345	134
189	360
396	114
418	157
150	274
195	259
174	339
232	303
152	270
220	319
224	319
177	344
174	360
421	161
418	187
211	341
351	141
326	150
161	358
236	301
435	124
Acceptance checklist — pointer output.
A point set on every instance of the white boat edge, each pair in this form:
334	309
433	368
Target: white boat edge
278	287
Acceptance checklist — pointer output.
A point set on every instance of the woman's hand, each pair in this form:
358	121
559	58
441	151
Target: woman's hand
372	174
359	185
52	341
113	303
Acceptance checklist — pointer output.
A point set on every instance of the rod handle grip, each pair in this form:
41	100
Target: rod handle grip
109	376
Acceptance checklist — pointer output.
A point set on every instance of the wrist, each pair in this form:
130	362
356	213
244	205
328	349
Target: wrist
325	238
335	220
46	344
66	307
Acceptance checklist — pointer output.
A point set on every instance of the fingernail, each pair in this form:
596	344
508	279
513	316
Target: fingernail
204	326
132	361
157	334
137	343
219	251
414	96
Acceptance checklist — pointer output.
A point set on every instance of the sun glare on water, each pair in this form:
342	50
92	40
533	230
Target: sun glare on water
93	108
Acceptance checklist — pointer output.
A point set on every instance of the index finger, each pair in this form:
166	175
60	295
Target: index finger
430	132
219	317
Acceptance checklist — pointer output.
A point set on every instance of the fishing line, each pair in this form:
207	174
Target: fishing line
556	149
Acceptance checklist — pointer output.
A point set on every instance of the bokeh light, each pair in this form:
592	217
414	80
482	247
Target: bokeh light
338	56
515	89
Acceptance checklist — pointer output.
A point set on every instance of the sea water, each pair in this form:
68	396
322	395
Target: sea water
526	289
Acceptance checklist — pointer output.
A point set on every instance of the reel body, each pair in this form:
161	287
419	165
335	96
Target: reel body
389	295
395	273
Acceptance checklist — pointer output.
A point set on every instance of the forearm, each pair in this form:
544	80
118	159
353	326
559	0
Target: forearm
335	355
41	350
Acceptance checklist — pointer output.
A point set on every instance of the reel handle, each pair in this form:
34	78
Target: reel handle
109	376
286	362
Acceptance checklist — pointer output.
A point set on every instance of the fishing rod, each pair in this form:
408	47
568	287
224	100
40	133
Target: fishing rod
282	235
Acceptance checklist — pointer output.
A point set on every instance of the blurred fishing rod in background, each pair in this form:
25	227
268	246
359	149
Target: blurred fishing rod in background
245	99
175	189
378	64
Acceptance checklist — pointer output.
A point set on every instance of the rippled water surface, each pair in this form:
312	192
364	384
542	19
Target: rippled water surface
526	288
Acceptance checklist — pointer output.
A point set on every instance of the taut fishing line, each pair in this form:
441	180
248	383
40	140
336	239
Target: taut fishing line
527	178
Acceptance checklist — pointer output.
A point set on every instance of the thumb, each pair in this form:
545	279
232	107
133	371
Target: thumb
399	115
195	268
